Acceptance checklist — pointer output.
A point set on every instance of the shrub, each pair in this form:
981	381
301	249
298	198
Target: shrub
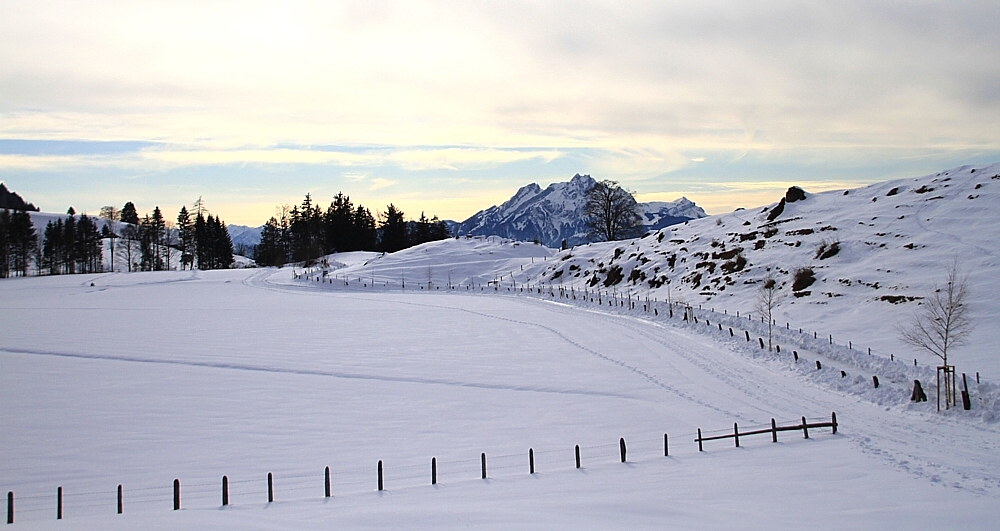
794	193
614	276
827	249
802	278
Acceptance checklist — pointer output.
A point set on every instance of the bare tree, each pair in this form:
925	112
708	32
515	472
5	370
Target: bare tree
612	213
111	216
769	297
944	321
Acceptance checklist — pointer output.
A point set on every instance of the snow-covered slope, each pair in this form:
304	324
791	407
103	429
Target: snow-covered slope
895	241
556	214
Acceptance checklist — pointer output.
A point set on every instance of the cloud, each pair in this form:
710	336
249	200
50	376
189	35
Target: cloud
379	183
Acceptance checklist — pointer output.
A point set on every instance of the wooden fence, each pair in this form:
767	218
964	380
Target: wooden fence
773	430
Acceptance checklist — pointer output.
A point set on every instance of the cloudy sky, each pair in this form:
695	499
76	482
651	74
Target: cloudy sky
449	107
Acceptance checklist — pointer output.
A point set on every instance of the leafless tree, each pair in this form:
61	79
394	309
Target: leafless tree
111	216
769	297
944	321
612	213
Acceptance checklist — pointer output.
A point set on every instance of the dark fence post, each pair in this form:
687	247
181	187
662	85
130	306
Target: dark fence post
177	494
747	332
875	381
531	461
819	367
966	401
484	465
731	332
326	481
225	491
379	474
270	488
805	428
578	456
699	440
736	434
10	507
761	340
59	503
621	443
434	471
774	431
795	354
666	448
833	421
121	505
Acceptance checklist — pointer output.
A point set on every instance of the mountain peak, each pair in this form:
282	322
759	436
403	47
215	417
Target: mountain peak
555	214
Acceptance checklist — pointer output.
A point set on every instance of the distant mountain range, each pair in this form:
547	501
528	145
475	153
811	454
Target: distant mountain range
549	216
556	214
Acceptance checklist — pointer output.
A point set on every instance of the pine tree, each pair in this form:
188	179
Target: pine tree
185	238
129	214
4	243
393	230
23	241
339	225
365	232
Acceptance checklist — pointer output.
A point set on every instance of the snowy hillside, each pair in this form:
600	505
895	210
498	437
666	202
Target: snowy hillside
874	253
556	214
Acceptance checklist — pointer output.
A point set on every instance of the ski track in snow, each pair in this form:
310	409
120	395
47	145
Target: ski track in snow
310	372
874	432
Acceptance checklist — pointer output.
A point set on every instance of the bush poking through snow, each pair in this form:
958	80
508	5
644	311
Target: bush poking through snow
827	249
803	278
614	276
794	193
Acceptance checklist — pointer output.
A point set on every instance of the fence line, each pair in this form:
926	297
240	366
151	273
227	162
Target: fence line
325	481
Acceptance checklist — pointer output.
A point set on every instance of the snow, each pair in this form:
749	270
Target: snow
140	378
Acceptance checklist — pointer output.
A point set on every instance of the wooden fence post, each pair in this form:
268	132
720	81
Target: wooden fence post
805	428
10	507
795	354
578	456
761	341
774	431
225	491
270	488
819	367
833	421
699	440
621	444
59	503
747	332
666	448
121	506
736	434
875	381
379	474
326	481
177	494
531	461
434	471
484	465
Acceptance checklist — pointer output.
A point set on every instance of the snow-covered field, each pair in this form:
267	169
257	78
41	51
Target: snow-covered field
138	379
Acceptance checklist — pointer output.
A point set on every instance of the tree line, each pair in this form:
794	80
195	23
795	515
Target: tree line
305	232
74	244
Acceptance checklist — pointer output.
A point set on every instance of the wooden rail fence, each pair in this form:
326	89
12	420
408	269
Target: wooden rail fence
773	430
